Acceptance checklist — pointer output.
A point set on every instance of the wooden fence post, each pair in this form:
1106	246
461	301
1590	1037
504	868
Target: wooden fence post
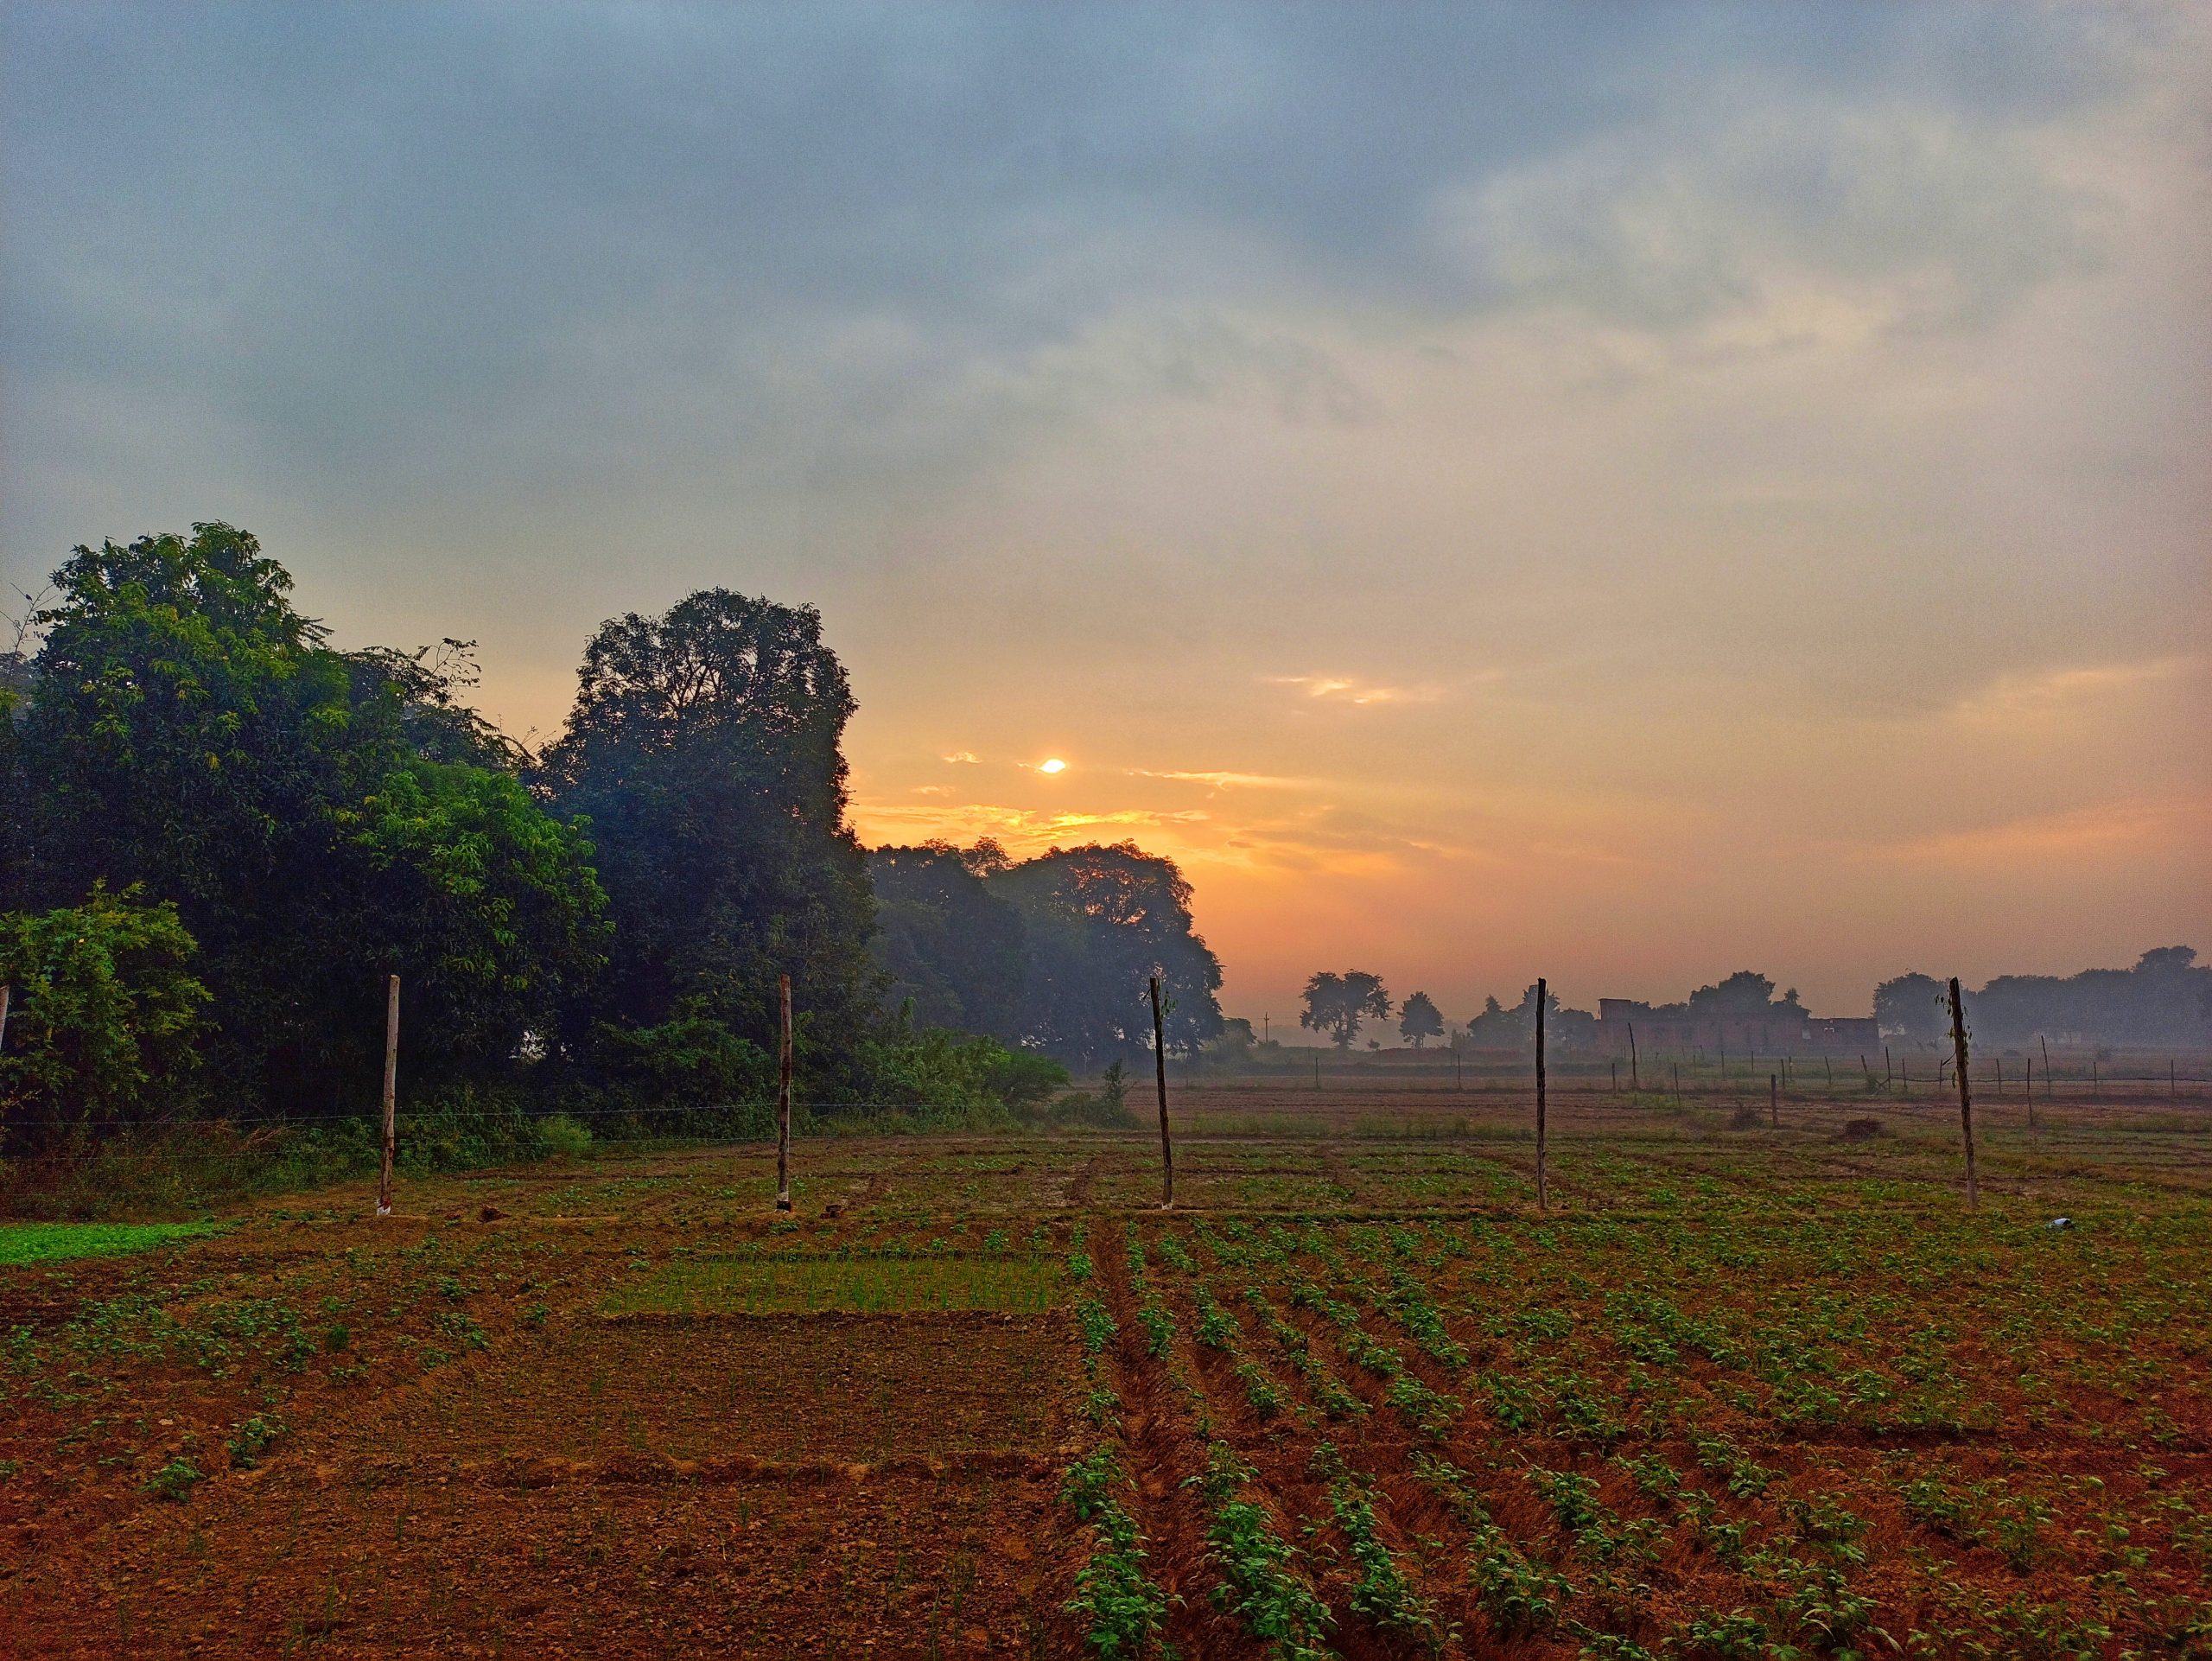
1965	1092
391	1092
1635	1080
1774	1101
1544	1188
1159	1066
6	992
2045	1043
784	1094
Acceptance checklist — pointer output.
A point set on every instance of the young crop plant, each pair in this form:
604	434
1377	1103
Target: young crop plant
1381	1591
1430	1412
1177	1255
1123	1610
175	1480
1218	1328
1407	1302
1512	1404
1518	1594
1261	1584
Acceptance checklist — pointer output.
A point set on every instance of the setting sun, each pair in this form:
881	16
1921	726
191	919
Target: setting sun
1055	765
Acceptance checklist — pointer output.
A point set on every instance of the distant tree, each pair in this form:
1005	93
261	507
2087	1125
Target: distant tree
1743	994
704	750
1419	1020
951	945
1098	921
1234	1045
1911	1006
2165	1000
1340	1004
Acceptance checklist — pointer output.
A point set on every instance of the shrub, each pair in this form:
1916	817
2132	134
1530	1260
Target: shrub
102	1017
563	1136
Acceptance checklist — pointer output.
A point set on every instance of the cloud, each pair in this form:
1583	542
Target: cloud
1225	781
2068	695
1737	220
1345	689
963	758
2131	827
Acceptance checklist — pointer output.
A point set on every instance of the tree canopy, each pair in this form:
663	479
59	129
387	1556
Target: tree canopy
704	752
1340	1004
318	820
1419	1020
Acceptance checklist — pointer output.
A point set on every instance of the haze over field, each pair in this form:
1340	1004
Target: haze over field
1620	495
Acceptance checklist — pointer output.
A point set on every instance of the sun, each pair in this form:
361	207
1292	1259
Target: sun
1054	765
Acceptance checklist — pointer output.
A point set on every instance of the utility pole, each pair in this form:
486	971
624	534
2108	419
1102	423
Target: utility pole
1965	1092
390	1093
1543	1191
1160	1073
784	1094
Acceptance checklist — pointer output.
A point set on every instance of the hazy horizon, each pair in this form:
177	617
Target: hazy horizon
1625	496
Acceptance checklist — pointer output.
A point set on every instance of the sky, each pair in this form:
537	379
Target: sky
1618	494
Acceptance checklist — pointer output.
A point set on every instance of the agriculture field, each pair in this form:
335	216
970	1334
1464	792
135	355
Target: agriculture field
1745	1392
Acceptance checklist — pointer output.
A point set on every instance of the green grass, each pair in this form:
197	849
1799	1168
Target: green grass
795	1285
48	1242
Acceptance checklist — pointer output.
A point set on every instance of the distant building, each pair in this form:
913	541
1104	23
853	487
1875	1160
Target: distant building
1780	1029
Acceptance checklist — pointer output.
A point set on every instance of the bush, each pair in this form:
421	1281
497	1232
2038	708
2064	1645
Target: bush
103	1016
563	1136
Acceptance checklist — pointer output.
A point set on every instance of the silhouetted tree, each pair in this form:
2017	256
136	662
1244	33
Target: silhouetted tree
1912	1007
1097	923
950	945
1340	1004
1419	1020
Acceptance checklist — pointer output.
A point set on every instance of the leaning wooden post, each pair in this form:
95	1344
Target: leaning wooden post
1543	1190
5	993
784	1094
391	1092
1773	1101
1966	1091
1633	1084
2045	1043
1160	1075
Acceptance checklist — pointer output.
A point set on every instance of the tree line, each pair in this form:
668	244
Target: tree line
218	833
2165	1001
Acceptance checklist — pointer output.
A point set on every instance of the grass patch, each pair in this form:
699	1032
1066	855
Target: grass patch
844	1286
47	1242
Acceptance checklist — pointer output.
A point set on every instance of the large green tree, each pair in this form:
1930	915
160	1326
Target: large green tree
320	819
703	750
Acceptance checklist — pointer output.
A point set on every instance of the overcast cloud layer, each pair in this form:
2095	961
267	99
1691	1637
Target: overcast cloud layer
1624	493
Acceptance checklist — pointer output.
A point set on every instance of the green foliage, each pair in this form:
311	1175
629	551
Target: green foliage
319	820
253	1438
48	1242
175	1480
563	1136
1122	1610
104	1017
1262	1583
1098	922
703	750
